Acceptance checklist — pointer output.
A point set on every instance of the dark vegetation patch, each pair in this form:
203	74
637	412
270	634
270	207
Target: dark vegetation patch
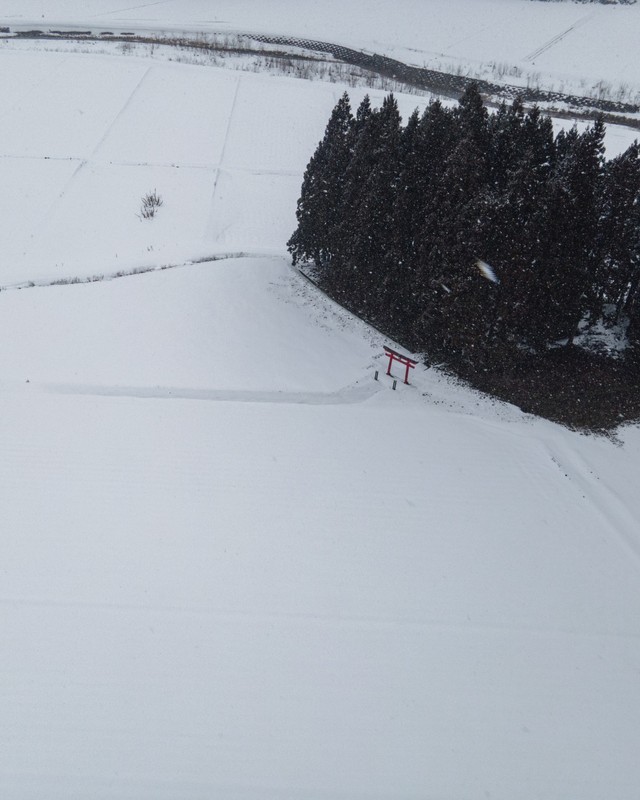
488	242
576	388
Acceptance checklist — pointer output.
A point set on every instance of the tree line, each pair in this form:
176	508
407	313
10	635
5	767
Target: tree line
470	235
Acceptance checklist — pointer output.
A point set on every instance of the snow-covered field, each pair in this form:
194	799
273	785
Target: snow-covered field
566	46
83	138
234	565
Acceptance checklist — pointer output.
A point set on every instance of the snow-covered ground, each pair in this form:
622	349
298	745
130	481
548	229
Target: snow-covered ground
233	564
571	47
83	138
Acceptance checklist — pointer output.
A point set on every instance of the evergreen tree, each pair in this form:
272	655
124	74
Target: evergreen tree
567	276
453	292
473	118
515	227
361	243
320	204
505	142
619	226
424	150
397	219
363	114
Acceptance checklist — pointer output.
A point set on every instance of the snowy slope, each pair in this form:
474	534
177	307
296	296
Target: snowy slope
233	564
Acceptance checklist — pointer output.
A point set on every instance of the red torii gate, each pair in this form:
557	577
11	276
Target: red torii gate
408	363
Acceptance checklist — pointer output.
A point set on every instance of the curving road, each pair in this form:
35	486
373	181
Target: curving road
430	80
444	82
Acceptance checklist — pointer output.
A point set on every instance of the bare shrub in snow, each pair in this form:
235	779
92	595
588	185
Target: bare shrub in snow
149	205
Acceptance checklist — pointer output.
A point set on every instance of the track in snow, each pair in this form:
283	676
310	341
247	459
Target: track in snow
355	393
234	103
83	162
556	39
608	505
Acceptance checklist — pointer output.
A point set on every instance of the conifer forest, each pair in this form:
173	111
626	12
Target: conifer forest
487	242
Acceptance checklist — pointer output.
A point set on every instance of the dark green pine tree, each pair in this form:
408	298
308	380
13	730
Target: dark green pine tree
620	234
568	272
408	137
336	276
362	247
320	204
538	137
514	227
392	313
424	152
363	114
506	143
455	298
473	118
631	307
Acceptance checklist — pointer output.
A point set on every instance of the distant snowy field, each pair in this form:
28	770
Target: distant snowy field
567	46
233	564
